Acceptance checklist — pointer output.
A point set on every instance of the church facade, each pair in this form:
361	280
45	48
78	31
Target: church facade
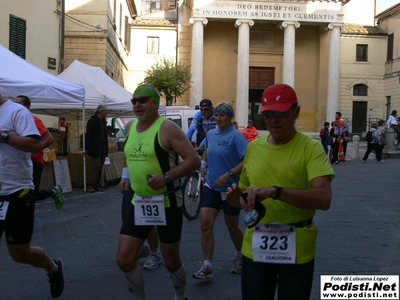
238	48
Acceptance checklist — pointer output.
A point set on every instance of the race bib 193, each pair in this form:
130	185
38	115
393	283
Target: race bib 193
150	210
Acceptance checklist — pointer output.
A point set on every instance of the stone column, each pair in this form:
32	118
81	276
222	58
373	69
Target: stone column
356	147
196	90
242	78
332	104
390	138
289	51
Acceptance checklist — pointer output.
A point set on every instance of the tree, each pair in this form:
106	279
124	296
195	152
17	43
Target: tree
172	80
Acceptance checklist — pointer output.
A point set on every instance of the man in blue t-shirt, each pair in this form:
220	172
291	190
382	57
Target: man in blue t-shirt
202	122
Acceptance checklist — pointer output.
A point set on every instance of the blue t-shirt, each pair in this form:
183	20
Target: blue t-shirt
207	124
225	149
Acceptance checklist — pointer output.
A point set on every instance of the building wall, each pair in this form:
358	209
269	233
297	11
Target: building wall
391	24
369	73
95	35
39	46
139	58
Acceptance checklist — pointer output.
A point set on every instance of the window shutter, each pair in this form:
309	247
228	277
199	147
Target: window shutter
17	36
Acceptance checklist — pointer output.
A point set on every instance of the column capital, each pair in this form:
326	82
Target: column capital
287	23
202	20
239	22
330	26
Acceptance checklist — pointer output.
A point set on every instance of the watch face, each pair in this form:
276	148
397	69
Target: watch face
3	137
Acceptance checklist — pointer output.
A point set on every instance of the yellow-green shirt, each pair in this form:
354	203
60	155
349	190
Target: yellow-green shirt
145	155
292	165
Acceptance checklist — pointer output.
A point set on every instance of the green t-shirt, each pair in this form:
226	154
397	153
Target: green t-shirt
292	165
145	155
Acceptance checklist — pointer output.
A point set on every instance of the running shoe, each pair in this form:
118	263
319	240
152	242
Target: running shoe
237	266
204	273
58	197
153	261
56	280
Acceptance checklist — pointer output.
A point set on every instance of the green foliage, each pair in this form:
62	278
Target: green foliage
172	80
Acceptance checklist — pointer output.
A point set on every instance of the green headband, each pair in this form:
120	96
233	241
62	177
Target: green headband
148	90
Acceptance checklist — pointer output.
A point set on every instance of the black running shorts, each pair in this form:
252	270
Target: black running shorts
169	234
19	220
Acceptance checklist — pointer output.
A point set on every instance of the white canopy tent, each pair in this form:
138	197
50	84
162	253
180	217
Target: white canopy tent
19	77
100	89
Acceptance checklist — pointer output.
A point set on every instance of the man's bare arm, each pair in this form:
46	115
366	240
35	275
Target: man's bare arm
173	138
47	139
25	143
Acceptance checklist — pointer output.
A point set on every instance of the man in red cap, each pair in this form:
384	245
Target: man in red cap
290	175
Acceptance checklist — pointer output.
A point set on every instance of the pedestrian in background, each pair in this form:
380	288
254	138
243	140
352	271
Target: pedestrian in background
18	137
325	136
393	122
336	135
96	147
289	174
373	145
344	127
250	132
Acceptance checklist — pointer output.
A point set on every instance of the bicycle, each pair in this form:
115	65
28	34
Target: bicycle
191	191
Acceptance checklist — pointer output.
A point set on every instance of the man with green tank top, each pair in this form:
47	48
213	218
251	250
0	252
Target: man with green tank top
152	148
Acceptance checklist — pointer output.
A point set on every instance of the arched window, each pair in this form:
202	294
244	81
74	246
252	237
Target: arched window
360	90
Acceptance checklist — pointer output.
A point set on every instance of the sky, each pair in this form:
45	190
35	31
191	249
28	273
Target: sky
388	3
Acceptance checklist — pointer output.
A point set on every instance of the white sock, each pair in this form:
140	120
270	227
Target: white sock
136	283
179	281
238	253
207	263
54	269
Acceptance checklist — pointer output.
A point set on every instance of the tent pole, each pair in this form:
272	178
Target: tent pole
84	147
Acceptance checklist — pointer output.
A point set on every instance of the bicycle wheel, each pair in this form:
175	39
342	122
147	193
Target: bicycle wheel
191	190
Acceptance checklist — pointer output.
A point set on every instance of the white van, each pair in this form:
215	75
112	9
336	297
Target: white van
181	115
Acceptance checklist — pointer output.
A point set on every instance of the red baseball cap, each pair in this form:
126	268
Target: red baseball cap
278	97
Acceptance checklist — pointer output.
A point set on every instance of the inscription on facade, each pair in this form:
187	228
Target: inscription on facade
310	12
261	39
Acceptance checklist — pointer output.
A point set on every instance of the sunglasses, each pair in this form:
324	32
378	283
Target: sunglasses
279	114
141	100
205	109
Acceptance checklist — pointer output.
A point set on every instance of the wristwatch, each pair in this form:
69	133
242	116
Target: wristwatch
231	173
278	191
3	137
168	180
